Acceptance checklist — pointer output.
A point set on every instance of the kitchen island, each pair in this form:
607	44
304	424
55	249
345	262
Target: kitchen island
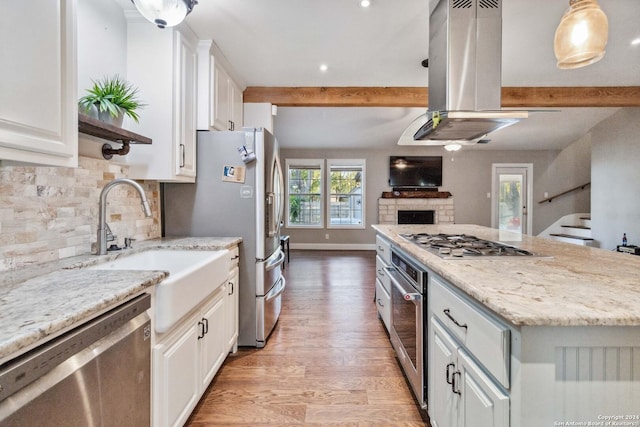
571	321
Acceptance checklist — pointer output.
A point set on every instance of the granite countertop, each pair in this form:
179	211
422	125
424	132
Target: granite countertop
572	286
38	302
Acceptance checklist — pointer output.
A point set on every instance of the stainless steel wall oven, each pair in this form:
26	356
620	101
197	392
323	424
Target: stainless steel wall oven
408	320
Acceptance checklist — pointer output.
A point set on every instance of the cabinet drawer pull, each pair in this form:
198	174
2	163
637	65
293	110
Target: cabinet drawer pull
381	272
447	313
448	373
206	325
182	155
380	303
455	389
231	291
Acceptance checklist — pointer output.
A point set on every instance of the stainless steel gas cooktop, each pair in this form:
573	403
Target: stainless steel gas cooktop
459	246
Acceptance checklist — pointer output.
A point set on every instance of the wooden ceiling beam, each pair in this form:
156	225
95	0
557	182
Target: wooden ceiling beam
518	97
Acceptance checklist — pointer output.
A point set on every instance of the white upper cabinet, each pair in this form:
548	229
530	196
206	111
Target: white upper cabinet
38	101
219	95
163	64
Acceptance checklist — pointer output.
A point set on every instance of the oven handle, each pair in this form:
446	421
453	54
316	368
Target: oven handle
407	291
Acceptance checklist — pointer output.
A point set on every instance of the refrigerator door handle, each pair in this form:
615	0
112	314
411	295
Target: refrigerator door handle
278	261
272	227
277	290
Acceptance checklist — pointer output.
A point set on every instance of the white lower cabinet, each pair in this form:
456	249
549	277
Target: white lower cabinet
383	301
231	307
186	360
212	338
383	283
462	394
468	362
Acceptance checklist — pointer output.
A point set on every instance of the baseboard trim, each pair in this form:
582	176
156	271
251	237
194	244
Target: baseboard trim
334	246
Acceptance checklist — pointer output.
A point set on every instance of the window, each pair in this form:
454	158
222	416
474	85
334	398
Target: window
304	192
345	183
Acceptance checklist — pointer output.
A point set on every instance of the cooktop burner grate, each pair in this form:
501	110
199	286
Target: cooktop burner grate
456	246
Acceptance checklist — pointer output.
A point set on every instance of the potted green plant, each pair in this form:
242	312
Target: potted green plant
112	98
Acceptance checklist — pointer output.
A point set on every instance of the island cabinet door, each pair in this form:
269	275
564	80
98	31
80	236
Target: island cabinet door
483	403
443	401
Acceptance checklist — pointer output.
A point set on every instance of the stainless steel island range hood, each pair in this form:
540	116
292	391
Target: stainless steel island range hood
465	83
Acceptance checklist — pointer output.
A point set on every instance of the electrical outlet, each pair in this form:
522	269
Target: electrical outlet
326	236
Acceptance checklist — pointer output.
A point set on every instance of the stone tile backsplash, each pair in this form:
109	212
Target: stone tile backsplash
49	213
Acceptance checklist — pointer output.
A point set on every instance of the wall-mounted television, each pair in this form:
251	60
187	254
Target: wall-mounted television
415	171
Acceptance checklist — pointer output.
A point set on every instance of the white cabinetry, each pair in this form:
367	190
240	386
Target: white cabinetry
466	346
219	96
38	82
187	358
163	64
231	305
383	284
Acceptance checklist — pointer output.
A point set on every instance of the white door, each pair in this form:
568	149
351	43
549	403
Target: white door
511	193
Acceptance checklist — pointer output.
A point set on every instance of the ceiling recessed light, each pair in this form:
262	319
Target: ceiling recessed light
635	42
364	3
324	67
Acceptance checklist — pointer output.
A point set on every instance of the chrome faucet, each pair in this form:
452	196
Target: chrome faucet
102	221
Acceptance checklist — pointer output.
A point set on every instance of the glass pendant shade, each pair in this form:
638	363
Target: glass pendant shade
582	35
164	13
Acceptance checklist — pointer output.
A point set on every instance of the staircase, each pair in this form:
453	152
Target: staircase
574	228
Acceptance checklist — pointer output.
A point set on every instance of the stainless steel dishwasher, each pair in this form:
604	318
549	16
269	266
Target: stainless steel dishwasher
98	374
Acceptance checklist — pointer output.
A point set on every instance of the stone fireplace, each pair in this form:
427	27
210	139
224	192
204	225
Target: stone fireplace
389	209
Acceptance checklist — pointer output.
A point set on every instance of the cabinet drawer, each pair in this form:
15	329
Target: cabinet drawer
383	302
382	275
383	249
487	339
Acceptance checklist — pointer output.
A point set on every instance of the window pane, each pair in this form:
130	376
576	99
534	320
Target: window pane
345	200
305	198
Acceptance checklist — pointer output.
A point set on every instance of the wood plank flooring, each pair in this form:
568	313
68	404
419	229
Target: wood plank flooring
328	362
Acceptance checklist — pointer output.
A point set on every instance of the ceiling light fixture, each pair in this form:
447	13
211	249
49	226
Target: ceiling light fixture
324	67
454	146
165	13
364	3
581	35
635	42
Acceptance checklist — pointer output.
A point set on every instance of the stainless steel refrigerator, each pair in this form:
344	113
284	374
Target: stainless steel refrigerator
238	192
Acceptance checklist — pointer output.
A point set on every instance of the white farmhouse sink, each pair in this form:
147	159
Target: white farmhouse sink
193	275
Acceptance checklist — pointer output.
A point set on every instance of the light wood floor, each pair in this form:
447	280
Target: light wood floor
327	363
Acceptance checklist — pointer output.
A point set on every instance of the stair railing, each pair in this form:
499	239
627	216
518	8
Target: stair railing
579	187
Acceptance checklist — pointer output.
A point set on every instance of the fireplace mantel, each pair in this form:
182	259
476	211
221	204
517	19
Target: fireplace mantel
416	195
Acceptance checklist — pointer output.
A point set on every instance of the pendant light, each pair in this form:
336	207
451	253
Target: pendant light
582	35
165	13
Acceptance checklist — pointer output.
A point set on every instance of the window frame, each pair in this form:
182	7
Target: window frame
361	163
299	163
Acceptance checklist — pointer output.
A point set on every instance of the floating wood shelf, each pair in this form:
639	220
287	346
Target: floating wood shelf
94	127
416	195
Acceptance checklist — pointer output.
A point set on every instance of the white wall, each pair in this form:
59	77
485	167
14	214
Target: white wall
615	174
